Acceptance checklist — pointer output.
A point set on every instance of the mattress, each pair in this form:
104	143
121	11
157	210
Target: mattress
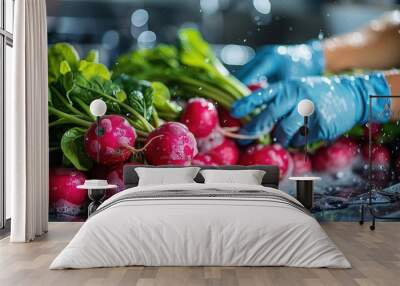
201	225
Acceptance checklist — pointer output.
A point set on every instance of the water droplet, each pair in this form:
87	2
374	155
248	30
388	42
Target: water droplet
320	35
244	40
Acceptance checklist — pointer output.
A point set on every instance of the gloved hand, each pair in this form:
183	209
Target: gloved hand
340	103
276	63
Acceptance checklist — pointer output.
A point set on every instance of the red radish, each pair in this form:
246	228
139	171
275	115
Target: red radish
226	120
226	153
210	142
257	85
376	129
380	155
267	155
200	116
336	156
301	164
204	160
109	147
64	197
175	145
115	177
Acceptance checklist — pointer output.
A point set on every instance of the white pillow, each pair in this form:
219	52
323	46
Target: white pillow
248	177
164	176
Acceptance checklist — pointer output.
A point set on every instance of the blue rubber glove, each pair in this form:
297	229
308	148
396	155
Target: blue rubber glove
340	103
276	63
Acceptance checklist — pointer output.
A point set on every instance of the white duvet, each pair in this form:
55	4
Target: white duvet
188	231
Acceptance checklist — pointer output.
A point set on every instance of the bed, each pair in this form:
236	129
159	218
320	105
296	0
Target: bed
199	224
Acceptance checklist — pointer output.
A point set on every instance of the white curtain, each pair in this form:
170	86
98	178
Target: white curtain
27	125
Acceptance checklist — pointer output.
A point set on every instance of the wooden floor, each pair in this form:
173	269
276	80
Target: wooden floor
375	257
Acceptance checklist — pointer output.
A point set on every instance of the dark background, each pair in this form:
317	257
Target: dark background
115	26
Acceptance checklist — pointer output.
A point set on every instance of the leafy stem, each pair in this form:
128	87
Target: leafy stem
145	123
70	118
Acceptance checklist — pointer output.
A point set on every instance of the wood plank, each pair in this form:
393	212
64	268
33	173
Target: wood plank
375	257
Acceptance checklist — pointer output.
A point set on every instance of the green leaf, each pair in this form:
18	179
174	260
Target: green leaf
58	53
390	133
129	83
141	102
73	149
92	56
121	95
147	62
115	90
66	162
82	88
356	131
265	139
196	52
64	68
68	82
91	70
161	99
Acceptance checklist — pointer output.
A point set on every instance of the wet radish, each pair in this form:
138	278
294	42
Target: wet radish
64	197
335	157
210	142
174	145
380	156
204	160
226	153
267	155
110	147
200	116
301	164
376	130
226	120
113	175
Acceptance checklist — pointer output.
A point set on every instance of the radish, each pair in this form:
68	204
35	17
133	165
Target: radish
210	142
257	85
200	116
267	155
222	151
204	160
172	144
376	129
110	147
115	177
380	156
226	120
301	164
226	153
64	197
336	156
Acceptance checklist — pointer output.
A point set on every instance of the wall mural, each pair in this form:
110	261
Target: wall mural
170	105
